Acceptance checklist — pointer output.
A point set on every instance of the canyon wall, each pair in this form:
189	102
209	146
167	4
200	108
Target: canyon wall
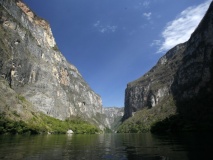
35	69
182	79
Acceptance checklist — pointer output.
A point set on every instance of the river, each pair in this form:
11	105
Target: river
145	146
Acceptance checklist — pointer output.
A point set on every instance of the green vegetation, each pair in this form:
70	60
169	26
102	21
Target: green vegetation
107	130
177	123
21	98
17	116
143	120
172	124
15	127
41	123
140	122
117	122
163	118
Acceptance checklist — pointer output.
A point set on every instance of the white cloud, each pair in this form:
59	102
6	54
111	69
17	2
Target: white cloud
112	28
146	4
180	29
107	28
96	24
102	30
156	43
147	15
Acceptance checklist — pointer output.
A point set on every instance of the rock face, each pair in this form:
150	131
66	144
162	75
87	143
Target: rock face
113	116
34	67
193	83
154	86
12	104
184	72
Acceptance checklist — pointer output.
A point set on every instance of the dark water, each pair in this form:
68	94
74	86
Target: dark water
108	147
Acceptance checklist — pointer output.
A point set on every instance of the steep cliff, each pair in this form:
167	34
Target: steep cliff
149	90
112	117
192	88
179	84
35	69
18	116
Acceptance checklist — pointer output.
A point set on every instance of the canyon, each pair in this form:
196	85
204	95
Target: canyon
32	69
36	80
179	85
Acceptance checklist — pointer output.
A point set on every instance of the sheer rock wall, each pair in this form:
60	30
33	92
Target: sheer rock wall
184	72
34	67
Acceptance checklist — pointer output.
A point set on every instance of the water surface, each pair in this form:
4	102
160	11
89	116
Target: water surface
144	146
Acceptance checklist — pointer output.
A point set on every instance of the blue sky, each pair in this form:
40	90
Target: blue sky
113	42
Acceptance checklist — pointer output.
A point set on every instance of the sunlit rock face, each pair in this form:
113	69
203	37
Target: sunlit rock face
112	116
184	72
150	89
34	67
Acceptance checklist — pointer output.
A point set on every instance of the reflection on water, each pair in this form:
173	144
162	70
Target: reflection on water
107	147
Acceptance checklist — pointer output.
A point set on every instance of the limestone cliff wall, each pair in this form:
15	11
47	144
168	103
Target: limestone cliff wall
193	83
150	89
34	67
112	116
184	72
